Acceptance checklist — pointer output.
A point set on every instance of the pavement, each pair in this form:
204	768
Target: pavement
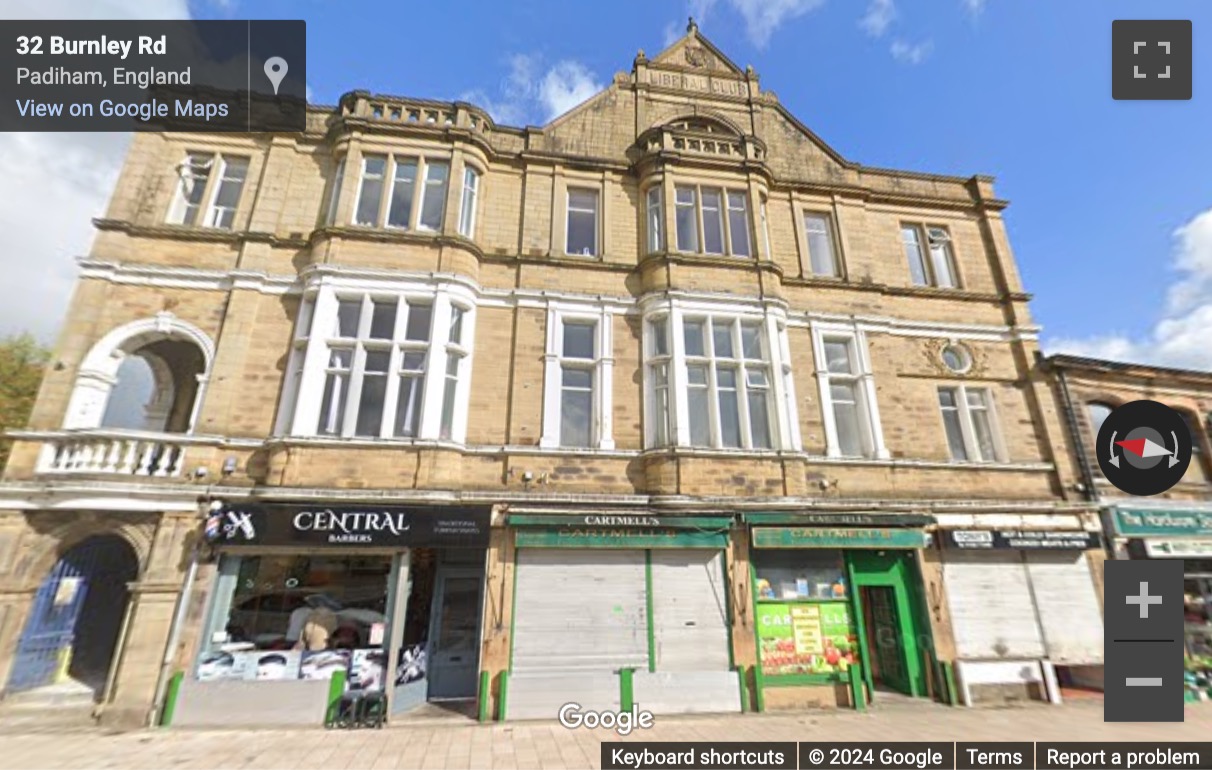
548	745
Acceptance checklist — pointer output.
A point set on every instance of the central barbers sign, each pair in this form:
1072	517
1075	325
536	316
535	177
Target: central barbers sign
319	525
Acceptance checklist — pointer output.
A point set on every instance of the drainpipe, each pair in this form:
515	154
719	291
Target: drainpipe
174	636
1079	445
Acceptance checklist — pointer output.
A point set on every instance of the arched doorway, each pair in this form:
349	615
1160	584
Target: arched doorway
73	626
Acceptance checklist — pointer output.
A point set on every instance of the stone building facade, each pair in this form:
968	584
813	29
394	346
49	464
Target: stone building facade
1176	524
667	372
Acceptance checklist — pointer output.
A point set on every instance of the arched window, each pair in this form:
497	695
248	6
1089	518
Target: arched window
148	375
1098	413
1197	446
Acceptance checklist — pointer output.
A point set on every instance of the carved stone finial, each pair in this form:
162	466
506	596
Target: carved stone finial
691	27
749	71
640	54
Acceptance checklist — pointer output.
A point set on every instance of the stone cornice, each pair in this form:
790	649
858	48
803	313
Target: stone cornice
197	234
127	496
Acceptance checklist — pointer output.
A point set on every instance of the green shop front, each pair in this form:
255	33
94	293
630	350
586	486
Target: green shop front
839	614
1183	532
614	609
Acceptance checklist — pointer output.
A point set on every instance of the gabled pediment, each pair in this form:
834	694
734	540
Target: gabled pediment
694	52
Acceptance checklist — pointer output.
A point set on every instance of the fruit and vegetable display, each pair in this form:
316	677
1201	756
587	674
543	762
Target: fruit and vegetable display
806	638
1198	678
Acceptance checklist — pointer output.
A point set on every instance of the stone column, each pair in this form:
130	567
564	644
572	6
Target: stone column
151	610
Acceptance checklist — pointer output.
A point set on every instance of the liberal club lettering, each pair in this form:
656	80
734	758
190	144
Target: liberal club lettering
351	526
698	83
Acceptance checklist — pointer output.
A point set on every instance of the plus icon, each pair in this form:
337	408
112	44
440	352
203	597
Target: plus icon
1151	59
1144	600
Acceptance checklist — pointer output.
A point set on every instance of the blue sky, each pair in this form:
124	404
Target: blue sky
1015	88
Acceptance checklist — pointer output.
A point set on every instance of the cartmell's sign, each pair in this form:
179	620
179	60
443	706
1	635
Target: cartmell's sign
320	525
1019	539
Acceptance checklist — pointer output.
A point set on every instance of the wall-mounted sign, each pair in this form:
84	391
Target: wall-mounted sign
837	537
593	537
1019	539
370	525
1178	549
1146	523
620	521
861	519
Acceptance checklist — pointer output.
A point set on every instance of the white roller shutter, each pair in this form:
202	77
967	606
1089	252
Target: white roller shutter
689	610
992	613
1068	606
579	616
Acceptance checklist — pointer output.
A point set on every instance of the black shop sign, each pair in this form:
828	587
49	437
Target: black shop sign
1019	540
346	525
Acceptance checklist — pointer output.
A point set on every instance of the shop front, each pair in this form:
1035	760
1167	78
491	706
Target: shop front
612	610
312	601
1023	603
1177	533
836	593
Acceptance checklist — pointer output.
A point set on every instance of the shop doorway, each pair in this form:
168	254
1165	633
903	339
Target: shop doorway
888	669
74	623
440	654
893	632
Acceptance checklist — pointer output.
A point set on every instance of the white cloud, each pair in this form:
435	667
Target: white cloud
673	33
566	85
53	184
764	17
879	16
529	93
974	7
1180	337
911	53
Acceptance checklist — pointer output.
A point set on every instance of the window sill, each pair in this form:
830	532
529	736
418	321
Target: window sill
366	442
926	463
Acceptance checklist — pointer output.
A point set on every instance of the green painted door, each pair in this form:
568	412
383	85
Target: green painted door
886	589
885	637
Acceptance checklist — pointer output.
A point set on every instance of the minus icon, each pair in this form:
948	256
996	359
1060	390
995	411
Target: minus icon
1143	681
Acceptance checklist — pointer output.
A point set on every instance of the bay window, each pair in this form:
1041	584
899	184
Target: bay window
370	364
715	380
712	220
467	208
577	399
847	393
401	192
655	218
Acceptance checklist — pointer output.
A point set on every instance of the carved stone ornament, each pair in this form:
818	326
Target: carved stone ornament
933	351
697	56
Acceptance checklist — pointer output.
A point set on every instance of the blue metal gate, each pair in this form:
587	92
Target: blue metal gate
46	641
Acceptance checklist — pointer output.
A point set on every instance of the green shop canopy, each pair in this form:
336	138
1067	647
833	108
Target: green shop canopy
837	537
619	530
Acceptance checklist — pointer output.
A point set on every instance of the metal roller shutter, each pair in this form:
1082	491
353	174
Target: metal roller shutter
992	613
579	616
1068	606
689	610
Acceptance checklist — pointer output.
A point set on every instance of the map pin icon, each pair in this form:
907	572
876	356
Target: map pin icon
275	70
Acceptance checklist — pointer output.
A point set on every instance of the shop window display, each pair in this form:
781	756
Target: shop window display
1197	617
289	617
805	628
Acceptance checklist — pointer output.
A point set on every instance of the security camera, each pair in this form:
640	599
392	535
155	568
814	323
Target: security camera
201	472
527	477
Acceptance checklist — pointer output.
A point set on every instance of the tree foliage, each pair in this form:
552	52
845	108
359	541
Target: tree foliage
22	362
